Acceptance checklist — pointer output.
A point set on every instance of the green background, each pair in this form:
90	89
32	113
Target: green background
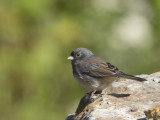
37	36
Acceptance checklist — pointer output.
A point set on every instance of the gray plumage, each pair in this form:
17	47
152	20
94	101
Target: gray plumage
93	72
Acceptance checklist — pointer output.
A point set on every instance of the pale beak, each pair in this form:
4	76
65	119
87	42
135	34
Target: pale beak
70	58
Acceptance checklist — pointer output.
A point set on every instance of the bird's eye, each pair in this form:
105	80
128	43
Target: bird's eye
78	54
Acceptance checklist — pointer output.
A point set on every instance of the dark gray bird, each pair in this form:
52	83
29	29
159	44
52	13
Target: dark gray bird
93	72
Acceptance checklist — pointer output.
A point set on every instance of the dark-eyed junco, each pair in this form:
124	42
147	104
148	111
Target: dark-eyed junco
93	72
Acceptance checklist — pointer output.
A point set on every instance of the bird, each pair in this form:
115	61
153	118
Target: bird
93	72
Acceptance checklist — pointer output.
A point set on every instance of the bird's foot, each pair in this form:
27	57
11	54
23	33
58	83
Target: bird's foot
94	93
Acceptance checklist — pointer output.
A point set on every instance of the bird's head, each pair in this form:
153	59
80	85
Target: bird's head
80	54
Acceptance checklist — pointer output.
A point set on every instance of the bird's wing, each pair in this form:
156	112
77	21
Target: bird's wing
99	68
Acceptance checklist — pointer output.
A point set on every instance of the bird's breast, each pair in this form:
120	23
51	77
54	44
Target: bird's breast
88	82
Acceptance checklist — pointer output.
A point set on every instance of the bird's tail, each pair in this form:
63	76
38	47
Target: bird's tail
123	75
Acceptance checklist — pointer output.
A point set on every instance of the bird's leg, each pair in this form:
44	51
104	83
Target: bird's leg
92	94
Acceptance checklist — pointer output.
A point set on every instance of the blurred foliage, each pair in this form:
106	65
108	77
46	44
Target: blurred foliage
37	36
